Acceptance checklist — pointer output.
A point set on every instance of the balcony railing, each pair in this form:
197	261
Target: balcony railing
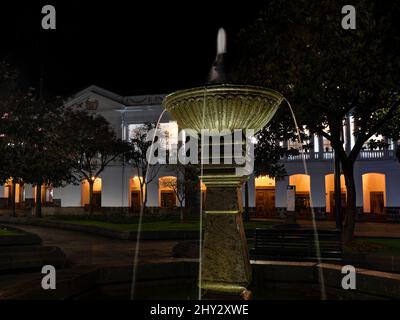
329	155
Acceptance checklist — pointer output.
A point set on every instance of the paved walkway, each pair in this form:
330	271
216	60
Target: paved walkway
84	249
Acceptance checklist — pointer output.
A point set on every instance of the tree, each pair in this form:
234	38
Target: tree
46	161
10	150
392	131
300	49
34	152
91	145
139	144
180	184
270	148
30	125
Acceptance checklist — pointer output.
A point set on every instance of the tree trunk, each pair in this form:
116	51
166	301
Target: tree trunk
181	212
91	183
14	187
38	200
351	210
143	199
338	194
192	192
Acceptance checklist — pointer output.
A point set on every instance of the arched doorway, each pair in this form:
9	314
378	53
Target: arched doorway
167	197
374	193
85	197
135	198
265	196
46	195
19	193
302	199
203	194
330	192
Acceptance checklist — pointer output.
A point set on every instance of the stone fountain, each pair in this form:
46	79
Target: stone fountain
225	265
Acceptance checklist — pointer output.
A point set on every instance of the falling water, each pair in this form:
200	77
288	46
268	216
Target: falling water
139	230
314	224
201	195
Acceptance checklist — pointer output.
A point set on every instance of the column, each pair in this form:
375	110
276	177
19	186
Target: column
252	191
280	195
153	193
392	186
321	148
3	200
2	191
114	187
318	193
359	191
70	195
28	195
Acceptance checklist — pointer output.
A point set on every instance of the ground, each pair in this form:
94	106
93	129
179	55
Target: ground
86	249
381	239
151	224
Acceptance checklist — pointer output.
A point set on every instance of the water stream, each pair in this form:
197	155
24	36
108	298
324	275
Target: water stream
314	224
139	230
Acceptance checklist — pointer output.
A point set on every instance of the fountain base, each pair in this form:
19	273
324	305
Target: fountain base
225	260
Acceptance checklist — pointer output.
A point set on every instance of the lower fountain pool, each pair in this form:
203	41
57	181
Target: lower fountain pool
177	280
271	281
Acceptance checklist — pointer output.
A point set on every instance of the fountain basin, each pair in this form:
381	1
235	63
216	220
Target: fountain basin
224	106
272	280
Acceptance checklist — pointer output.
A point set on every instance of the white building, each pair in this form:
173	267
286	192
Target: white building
377	172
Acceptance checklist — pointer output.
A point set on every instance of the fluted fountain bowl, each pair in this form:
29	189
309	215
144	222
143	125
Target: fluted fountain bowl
224	106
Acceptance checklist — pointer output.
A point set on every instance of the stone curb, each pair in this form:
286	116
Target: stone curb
368	282
21	239
24	252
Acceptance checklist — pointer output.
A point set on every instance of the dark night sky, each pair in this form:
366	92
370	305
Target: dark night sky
143	47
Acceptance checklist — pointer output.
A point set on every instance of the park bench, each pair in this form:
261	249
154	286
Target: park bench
296	245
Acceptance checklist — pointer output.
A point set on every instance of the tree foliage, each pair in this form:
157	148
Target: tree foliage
91	145
328	73
139	145
44	143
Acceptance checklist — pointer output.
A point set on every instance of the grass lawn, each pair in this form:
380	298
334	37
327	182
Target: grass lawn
389	246
162	225
146	226
5	232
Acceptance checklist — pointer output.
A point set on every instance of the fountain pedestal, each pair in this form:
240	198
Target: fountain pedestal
225	260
